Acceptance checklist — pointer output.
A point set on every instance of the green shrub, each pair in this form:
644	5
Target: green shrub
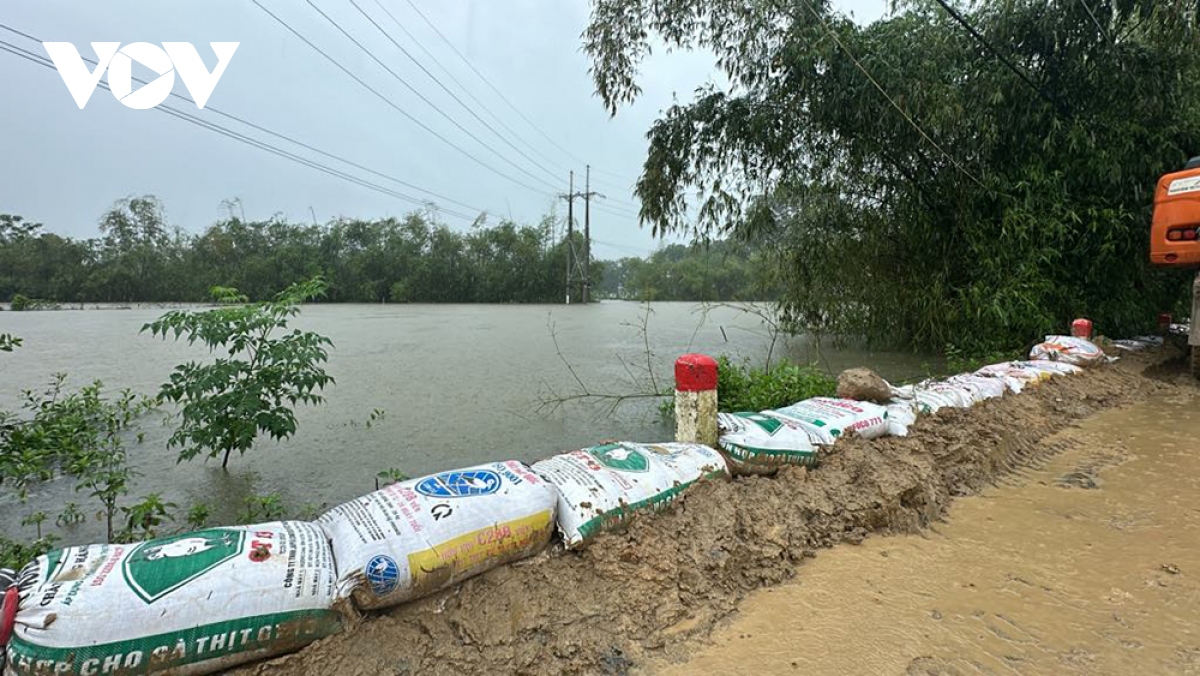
742	387
20	303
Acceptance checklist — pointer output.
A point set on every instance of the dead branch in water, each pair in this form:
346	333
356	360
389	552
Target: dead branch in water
645	386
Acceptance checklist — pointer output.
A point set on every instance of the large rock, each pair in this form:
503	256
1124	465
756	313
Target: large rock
863	385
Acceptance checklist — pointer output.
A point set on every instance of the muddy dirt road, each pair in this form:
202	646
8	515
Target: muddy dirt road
1068	558
1089	564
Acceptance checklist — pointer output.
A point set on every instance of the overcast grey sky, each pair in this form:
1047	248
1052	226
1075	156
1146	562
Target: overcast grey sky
64	166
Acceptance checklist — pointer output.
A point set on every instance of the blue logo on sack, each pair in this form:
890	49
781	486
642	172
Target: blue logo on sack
460	484
383	574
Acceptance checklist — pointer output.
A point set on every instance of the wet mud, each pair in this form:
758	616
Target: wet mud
651	596
1088	563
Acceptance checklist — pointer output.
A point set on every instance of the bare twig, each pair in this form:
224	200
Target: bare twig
584	393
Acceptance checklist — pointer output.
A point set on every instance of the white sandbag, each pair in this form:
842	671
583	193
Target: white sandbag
985	388
1053	368
902	413
418	536
827	419
601	487
1015	375
1131	345
930	402
195	603
960	395
756	443
1156	341
1068	349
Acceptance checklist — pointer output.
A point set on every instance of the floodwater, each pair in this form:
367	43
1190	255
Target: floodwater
1088	565
457	385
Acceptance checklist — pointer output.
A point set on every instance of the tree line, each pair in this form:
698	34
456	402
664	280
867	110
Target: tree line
720	270
138	257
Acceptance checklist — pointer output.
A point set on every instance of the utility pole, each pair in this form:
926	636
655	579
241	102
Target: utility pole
569	240
578	262
587	234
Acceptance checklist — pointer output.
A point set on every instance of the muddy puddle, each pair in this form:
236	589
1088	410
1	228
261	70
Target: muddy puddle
1088	563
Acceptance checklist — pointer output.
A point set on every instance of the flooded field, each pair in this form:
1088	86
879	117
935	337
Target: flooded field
1089	564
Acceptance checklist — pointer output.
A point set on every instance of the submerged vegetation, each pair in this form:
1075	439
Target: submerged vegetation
224	406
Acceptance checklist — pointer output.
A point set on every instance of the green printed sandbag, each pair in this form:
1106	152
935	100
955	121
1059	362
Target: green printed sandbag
602	487
195	603
827	419
756	443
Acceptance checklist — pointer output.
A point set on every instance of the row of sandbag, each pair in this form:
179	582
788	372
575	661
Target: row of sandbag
762	442
203	601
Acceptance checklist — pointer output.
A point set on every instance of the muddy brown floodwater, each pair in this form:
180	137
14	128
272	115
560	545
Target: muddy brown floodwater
1089	564
1079	554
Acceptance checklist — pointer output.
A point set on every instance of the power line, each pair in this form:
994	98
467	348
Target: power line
879	87
446	89
491	113
499	93
1003	59
225	131
465	89
285	137
390	103
496	117
1103	33
418	94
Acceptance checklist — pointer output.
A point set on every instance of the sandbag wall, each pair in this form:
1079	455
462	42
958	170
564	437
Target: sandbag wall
202	602
761	442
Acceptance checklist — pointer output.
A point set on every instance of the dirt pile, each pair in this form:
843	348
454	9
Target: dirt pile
643	593
863	385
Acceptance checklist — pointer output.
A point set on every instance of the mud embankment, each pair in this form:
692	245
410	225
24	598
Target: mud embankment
645	594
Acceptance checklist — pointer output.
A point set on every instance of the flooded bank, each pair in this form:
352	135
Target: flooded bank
1089	564
656	593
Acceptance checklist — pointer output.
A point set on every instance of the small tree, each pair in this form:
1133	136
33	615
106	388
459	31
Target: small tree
251	390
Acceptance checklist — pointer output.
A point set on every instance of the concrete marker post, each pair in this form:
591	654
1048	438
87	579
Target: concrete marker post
696	399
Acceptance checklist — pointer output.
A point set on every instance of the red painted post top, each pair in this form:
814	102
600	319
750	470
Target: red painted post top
1164	321
695	373
1081	328
8	614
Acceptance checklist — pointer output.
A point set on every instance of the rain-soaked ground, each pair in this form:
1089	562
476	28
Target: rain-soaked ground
1088	564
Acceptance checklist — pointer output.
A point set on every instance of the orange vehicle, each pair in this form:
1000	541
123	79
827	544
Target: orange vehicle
1175	236
1175	229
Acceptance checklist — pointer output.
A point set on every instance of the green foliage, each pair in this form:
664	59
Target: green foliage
268	507
959	360
143	519
79	433
712	271
9	342
36	519
981	213
198	516
388	477
20	303
742	387
70	517
413	259
15	555
250	390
